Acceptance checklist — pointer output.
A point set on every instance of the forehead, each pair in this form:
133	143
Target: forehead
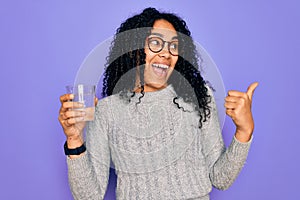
164	28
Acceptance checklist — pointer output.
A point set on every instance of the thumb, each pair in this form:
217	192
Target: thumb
251	89
96	100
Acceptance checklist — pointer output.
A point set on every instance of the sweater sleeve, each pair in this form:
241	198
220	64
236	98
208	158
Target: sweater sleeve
88	174
224	164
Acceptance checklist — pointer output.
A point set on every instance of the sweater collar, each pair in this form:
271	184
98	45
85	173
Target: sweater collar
167	93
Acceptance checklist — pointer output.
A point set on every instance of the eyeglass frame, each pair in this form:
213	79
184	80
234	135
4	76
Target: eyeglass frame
162	46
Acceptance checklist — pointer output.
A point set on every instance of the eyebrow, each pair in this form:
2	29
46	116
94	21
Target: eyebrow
161	35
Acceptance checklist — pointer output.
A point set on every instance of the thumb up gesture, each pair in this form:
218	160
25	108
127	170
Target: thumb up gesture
238	108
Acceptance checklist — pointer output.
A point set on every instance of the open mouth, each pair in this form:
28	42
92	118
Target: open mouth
160	69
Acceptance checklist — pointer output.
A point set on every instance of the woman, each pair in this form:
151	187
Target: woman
158	123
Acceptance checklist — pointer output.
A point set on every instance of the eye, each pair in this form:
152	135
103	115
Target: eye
174	45
154	42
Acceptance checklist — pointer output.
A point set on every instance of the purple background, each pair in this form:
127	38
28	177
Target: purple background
43	44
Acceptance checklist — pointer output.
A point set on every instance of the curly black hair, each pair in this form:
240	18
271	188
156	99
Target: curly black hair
127	52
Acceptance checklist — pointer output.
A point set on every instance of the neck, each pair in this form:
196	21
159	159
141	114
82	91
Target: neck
150	88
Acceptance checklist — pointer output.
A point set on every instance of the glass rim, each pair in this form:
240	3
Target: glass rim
162	46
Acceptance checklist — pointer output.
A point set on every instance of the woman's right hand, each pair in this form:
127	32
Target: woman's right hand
71	120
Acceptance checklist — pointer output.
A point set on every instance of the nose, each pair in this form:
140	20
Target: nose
165	51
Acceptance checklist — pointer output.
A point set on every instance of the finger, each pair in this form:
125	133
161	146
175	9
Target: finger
96	100
232	99
72	105
60	119
73	113
230	113
251	89
66	123
230	105
73	121
235	93
66	97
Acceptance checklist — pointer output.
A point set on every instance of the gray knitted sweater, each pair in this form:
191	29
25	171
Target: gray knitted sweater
157	150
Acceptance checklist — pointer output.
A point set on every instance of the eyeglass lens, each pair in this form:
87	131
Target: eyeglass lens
156	44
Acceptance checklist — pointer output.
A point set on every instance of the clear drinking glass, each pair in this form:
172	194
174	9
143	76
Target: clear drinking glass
84	94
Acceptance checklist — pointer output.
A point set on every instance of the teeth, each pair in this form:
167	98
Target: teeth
160	66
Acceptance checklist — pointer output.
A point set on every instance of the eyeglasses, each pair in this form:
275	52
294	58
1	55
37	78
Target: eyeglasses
156	44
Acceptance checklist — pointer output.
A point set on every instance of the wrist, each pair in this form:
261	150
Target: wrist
243	136
74	142
74	151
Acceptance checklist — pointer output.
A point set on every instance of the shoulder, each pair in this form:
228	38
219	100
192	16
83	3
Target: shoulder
111	103
110	100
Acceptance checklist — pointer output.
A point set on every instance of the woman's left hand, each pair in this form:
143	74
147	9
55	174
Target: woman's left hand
238	107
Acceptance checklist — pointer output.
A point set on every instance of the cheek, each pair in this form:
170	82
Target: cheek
149	55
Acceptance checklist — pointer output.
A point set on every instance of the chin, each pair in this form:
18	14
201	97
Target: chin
153	86
156	81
